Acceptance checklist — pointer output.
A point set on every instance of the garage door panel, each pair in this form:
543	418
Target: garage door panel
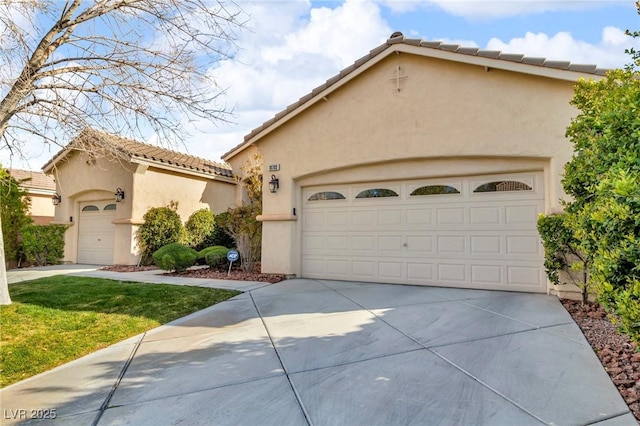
524	275
452	244
362	243
472	240
486	244
388	244
420	271
391	270
390	217
314	221
520	244
487	274
338	267
363	269
450	216
363	218
337	219
417	244
449	272
521	214
420	216
485	215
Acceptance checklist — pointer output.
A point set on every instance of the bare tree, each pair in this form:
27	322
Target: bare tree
129	67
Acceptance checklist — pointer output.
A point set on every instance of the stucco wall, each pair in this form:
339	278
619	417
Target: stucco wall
80	178
447	119
42	209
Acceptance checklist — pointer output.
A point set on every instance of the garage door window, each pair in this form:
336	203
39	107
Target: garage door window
503	186
327	195
435	190
377	193
110	207
90	209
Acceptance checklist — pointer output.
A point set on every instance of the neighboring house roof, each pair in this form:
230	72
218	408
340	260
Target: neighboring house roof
562	70
34	181
130	150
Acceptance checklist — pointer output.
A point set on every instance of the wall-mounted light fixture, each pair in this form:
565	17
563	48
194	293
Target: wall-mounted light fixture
56	198
274	184
119	195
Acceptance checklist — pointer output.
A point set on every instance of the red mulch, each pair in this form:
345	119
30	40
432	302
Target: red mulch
617	352
236	274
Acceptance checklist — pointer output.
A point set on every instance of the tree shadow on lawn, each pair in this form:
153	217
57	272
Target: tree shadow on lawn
158	302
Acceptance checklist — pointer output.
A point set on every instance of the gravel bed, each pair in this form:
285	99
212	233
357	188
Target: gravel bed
617	352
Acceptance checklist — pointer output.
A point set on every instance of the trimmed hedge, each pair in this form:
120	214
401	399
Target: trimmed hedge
43	244
175	257
215	257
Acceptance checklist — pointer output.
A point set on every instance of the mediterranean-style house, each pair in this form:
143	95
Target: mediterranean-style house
421	163
39	188
106	183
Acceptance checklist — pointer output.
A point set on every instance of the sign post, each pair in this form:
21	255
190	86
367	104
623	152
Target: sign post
232	256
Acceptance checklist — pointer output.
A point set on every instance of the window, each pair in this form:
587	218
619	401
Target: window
90	209
435	190
327	195
110	207
376	193
502	186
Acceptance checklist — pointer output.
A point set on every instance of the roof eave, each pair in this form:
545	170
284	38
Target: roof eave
181	169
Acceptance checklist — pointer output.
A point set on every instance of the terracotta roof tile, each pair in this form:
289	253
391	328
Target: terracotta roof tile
33	180
131	149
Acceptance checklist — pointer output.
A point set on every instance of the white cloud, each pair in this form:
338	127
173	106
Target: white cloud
291	49
608	53
475	10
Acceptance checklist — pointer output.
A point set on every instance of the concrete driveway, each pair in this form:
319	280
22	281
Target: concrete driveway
313	352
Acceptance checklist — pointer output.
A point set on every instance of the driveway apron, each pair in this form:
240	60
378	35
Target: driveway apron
315	352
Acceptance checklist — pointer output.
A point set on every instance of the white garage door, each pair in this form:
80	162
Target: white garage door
96	232
472	232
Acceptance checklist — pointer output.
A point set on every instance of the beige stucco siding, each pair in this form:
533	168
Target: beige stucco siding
448	119
156	187
41	209
81	179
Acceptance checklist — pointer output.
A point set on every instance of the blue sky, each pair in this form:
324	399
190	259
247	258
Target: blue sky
290	47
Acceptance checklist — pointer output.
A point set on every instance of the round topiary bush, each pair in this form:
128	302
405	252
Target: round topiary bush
175	257
199	227
162	226
215	257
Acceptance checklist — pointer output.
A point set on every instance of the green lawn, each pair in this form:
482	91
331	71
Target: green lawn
57	319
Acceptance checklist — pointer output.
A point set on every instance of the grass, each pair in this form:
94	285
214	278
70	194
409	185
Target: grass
58	319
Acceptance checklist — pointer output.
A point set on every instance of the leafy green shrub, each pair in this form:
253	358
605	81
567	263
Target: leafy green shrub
562	254
603	179
162	226
219	237
175	257
215	257
14	213
198	227
43	244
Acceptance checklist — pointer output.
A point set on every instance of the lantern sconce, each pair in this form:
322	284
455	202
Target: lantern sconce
56	199
119	195
274	184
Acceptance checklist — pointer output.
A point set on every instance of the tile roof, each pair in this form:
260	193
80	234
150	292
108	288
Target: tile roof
130	150
398	38
33	180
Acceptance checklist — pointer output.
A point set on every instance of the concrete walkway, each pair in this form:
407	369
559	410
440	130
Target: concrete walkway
315	352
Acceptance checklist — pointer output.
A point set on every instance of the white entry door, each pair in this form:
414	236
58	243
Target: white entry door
471	232
96	233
